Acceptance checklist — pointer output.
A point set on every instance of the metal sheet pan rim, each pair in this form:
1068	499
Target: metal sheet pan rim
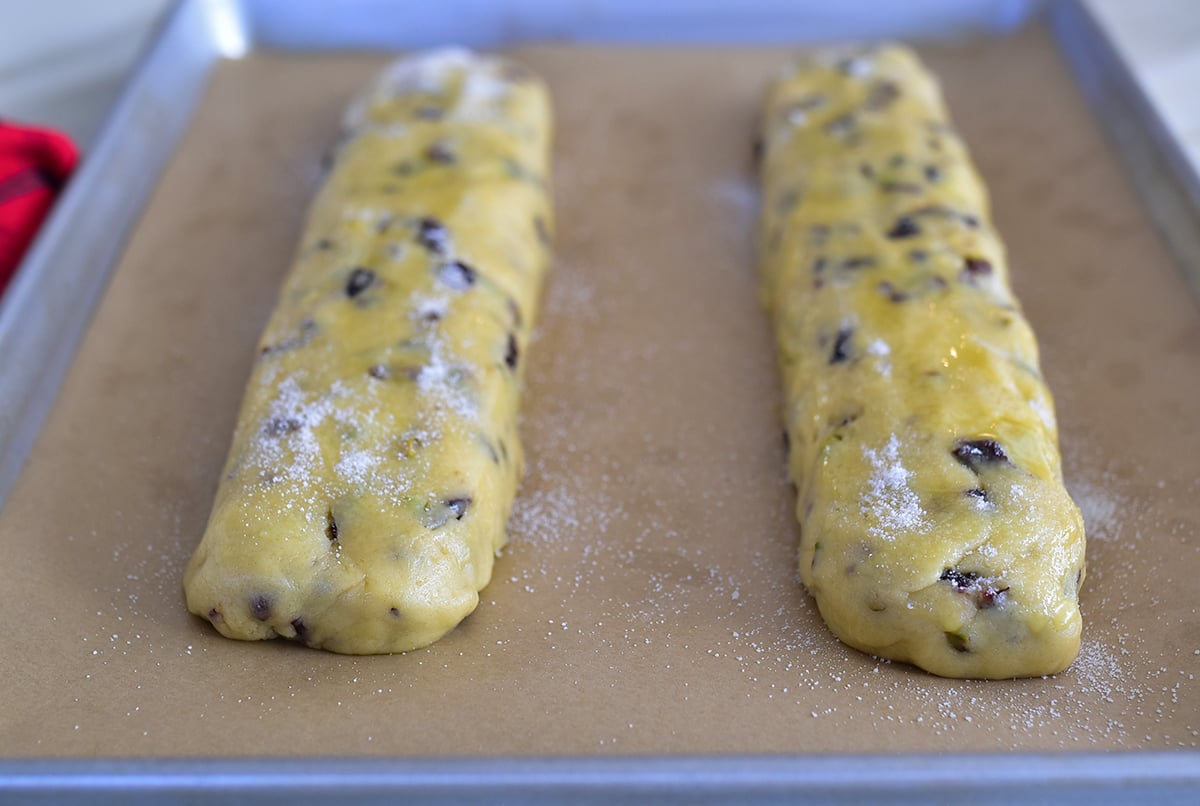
993	776
1153	159
192	21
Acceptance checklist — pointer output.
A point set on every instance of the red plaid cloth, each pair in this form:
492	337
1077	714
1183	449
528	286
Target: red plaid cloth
34	165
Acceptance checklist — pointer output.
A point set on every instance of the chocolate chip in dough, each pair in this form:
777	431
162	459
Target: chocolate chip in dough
975	267
441	152
979	453
359	281
433	235
905	228
985	596
841	346
881	95
458	275
214	615
278	426
331	527
260	607
379	371
511	352
300	627
845	419
959	579
891	292
458	506
933	174
989	597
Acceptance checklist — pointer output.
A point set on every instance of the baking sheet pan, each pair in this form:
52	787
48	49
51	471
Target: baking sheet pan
647	604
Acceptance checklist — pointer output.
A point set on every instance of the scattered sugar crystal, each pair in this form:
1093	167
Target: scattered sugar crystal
880	349
432	308
889	503
442	379
1101	508
356	466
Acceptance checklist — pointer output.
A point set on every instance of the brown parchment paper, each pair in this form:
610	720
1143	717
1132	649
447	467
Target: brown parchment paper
648	601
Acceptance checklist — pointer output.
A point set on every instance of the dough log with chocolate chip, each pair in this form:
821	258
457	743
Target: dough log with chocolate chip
376	455
935	527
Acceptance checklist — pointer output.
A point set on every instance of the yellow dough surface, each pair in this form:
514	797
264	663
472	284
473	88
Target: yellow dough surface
935	527
376	455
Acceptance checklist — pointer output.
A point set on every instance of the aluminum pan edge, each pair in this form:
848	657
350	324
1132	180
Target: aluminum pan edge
373	24
1160	777
1165	180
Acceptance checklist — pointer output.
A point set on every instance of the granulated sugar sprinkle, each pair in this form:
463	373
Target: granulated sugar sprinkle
889	504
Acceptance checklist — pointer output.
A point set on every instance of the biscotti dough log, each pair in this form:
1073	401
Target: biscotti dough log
935	525
376	455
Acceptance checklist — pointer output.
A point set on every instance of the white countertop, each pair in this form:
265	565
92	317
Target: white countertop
1160	40
63	62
